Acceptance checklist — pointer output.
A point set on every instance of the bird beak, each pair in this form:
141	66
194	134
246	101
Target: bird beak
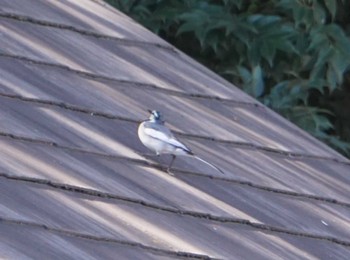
149	110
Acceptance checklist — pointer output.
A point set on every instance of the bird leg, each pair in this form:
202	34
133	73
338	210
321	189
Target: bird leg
171	163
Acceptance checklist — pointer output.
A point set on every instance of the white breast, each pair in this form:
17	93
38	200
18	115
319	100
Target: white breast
150	142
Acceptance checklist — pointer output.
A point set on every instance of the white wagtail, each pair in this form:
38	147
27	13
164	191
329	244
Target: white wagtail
158	138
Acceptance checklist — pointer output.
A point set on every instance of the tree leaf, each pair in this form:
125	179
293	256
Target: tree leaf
268	51
254	53
258	85
339	65
319	13
244	74
186	27
332	7
318	40
332	78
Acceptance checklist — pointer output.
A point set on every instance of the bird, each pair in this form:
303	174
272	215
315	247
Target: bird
157	137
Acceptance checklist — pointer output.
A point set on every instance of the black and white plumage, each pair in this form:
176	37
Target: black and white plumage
158	138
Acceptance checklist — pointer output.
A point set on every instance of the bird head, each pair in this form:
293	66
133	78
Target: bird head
156	116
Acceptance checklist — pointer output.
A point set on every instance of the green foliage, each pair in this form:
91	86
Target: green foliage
290	54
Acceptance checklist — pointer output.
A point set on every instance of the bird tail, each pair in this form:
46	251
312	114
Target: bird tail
208	163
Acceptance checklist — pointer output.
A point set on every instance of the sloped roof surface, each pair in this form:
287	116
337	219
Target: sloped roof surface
76	78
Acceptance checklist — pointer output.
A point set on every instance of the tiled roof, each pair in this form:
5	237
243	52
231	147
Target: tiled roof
76	78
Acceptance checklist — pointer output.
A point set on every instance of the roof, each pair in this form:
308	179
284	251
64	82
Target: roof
77	77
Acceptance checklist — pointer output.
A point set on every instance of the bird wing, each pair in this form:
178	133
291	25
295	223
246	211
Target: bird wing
166	136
